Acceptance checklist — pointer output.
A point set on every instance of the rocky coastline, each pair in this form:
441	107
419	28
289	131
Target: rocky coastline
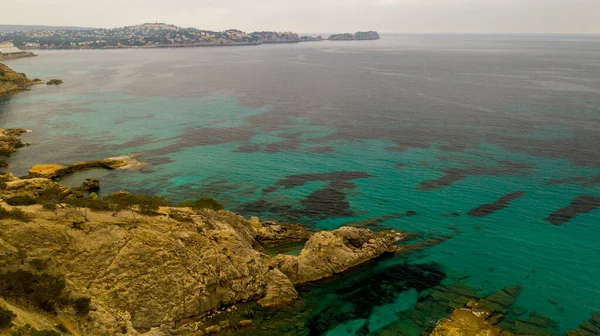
12	82
159	35
74	263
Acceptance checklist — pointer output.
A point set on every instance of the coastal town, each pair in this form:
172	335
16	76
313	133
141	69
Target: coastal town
155	35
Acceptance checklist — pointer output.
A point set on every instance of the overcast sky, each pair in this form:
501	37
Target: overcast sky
410	16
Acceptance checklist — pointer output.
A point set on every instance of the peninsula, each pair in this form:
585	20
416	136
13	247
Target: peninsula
156	35
9	51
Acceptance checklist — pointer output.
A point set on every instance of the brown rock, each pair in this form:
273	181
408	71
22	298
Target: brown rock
280	291
213	329
245	323
330	252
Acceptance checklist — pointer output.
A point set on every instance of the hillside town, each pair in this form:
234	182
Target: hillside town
149	35
145	35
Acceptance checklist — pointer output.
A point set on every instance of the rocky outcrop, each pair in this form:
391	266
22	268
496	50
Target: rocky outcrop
369	35
10	141
54	82
13	82
330	252
54	171
159	272
472	320
9	51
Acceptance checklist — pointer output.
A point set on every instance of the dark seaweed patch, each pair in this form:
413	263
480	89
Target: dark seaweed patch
453	175
287	145
591	182
321	150
248	148
374	223
370	289
326	203
501	203
579	205
204	136
293	181
567	180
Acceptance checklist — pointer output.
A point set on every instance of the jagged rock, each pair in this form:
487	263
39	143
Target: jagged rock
13	82
29	187
163	271
271	234
90	185
10	141
280	291
331	252
54	82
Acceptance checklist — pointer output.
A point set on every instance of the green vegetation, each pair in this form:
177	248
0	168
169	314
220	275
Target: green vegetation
6	317
51	197
202	203
14	213
28	330
92	204
82	306
39	264
20	200
61	327
147	205
180	216
45	291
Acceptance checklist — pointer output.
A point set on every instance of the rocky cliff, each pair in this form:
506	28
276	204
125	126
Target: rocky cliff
154	272
13	82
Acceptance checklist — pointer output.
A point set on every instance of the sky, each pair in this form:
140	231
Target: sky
312	16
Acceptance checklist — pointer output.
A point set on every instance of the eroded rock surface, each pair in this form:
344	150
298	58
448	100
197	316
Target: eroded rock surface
55	171
330	252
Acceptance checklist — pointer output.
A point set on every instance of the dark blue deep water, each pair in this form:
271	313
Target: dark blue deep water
494	141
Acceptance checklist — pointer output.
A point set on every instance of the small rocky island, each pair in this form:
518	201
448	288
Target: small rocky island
359	36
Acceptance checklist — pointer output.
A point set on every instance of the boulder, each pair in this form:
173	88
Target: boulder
280	290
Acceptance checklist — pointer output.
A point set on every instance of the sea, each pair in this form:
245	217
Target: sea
488	143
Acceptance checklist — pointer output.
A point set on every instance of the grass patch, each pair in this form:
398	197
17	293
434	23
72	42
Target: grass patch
14	213
6	317
20	200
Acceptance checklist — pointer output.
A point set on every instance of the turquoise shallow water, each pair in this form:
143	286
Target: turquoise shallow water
372	125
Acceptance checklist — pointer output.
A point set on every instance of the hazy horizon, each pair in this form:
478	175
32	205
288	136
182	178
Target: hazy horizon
387	16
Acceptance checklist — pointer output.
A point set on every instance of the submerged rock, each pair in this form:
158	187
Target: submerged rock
10	141
473	320
54	82
587	328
